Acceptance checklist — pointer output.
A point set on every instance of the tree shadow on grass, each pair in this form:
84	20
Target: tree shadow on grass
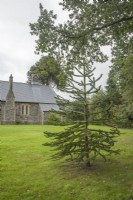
111	169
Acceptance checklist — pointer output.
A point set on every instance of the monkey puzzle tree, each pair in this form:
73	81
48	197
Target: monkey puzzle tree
80	142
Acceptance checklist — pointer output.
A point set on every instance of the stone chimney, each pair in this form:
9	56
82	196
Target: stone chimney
10	104
10	93
10	82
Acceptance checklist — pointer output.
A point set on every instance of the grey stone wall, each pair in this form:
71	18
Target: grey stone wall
9	116
45	117
1	111
35	116
5	117
9	113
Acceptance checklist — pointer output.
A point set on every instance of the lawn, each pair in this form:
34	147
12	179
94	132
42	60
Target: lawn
27	173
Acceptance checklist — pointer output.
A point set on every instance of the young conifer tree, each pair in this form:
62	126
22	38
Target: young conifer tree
78	141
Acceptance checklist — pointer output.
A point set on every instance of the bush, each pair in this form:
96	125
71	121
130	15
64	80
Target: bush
54	119
18	121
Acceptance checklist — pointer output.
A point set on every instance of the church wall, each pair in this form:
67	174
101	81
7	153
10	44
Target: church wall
34	115
31	116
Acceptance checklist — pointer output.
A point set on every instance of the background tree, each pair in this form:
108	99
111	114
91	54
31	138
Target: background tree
49	71
119	90
100	107
126	78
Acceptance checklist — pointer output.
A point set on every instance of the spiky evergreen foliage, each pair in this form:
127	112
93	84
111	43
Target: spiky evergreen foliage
78	141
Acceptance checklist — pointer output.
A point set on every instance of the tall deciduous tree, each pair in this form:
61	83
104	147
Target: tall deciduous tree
111	20
91	24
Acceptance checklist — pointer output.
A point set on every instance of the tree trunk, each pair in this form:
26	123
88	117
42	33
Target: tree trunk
87	156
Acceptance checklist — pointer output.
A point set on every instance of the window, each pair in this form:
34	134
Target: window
27	110
24	109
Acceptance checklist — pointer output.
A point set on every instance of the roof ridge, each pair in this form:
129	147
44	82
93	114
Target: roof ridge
26	83
13	82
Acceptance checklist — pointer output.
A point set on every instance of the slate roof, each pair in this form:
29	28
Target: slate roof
47	107
30	93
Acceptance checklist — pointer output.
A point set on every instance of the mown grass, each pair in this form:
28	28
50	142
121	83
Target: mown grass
27	173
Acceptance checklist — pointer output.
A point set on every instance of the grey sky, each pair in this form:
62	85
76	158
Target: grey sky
17	46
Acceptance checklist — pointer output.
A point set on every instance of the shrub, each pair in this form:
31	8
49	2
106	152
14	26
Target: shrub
54	119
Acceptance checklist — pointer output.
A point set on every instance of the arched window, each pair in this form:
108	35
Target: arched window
25	109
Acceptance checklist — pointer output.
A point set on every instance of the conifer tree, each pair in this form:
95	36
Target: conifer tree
80	142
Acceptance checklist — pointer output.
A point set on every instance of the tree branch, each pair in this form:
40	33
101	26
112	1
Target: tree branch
113	23
123	19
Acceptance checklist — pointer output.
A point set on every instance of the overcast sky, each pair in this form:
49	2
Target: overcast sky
17	46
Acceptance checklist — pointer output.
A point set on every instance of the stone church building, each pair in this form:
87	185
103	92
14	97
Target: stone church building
25	103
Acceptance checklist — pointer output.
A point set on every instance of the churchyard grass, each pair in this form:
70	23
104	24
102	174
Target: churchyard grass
28	173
